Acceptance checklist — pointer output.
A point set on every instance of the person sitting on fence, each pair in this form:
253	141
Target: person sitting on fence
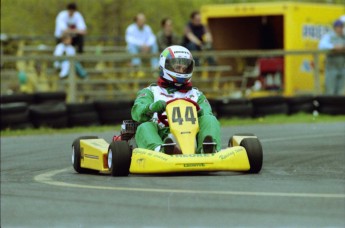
175	81
140	39
167	37
65	48
197	37
72	22
335	62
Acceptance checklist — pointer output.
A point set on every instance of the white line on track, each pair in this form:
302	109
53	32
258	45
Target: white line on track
47	178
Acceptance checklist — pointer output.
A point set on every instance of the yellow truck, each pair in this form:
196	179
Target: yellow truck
286	26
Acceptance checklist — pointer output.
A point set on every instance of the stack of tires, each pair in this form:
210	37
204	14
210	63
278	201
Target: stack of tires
15	111
299	104
234	108
113	112
269	105
82	114
49	110
331	105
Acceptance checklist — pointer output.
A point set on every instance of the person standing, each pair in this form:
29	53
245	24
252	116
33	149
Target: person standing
166	37
342	18
140	39
335	61
71	22
197	37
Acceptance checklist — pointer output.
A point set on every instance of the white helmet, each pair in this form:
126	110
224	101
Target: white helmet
176	65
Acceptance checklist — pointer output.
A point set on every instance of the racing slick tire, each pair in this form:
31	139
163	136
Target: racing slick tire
76	155
254	153
119	158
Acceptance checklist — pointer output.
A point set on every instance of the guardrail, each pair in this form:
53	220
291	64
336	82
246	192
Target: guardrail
115	57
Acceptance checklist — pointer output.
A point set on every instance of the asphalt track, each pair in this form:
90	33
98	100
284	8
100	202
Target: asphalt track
302	184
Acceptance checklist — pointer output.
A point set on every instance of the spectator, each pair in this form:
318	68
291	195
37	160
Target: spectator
197	37
335	61
166	37
342	18
140	39
65	48
70	21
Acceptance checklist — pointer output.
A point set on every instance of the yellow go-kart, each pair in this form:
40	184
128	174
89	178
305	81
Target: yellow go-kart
121	157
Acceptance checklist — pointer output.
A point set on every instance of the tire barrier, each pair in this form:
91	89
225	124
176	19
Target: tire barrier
49	97
234	108
50	110
22	97
331	105
82	114
52	115
15	115
305	104
113	112
269	105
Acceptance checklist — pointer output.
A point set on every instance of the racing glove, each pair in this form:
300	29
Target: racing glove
158	106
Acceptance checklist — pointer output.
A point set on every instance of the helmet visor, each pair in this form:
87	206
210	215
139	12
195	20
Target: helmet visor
180	65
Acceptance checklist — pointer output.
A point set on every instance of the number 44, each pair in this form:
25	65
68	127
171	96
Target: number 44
189	115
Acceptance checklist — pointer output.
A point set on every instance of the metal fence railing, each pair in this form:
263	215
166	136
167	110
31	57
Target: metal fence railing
220	74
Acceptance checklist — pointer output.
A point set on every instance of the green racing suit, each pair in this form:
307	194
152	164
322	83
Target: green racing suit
150	133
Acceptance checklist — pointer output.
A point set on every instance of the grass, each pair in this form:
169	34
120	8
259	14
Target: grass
274	119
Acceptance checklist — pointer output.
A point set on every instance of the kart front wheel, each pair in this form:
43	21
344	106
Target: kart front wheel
231	144
76	154
254	153
119	158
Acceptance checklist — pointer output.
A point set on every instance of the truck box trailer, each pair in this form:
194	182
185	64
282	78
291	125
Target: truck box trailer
286	26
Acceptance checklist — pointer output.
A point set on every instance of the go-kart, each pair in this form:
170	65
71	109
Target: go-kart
122	157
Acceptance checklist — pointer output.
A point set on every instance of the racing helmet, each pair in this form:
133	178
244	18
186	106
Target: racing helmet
176	65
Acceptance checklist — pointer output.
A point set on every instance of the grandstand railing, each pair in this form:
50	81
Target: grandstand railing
73	82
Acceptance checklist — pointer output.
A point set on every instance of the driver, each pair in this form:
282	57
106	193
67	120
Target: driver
176	69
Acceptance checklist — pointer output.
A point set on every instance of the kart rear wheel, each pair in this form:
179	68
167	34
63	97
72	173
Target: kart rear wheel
76	155
239	134
119	158
254	152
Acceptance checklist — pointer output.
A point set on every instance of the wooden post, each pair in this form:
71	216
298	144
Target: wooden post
72	88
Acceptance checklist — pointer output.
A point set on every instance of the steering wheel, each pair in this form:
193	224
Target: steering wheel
163	118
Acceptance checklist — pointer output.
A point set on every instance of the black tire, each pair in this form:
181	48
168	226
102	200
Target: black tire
14	118
17	107
300	100
111	117
263	101
254	153
49	97
214	103
238	134
84	119
332	110
48	110
119	158
235	110
76	155
112	105
80	108
297	108
56	122
24	97
271	109
331	100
